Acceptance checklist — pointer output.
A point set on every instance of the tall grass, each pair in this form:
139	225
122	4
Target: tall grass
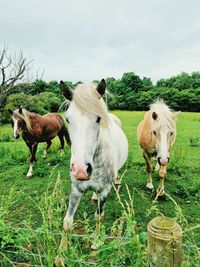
121	245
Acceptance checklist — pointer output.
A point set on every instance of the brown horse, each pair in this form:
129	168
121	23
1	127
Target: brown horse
35	129
156	135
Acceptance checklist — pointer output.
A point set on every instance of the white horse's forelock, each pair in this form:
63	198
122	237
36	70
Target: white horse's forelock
165	118
88	100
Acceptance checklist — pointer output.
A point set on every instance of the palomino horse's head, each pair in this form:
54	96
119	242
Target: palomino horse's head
163	133
86	113
19	121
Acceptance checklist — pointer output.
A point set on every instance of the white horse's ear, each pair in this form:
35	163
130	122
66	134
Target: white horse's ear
154	115
101	87
10	111
20	110
66	91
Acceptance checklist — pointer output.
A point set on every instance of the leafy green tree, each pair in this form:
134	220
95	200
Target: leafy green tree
51	102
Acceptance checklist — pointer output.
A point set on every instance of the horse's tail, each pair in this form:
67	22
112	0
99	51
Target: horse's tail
64	130
66	135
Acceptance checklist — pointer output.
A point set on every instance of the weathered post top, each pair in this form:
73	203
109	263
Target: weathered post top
164	242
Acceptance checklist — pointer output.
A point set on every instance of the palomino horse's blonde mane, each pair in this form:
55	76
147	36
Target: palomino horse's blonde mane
89	101
25	115
165	117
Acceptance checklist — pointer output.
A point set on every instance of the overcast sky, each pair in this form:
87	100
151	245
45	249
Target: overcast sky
91	39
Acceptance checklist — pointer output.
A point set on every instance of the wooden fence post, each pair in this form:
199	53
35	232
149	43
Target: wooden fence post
164	243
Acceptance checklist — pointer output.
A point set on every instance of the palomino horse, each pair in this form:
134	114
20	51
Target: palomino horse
156	135
35	129
99	148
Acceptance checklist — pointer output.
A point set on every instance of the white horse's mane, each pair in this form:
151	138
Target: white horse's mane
165	117
25	115
89	101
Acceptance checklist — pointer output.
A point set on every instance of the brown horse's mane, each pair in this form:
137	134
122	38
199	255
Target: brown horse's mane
26	116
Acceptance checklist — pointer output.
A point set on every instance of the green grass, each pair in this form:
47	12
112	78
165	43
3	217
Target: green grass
37	205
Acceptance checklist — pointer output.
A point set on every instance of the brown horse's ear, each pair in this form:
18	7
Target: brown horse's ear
66	91
10	111
20	110
154	115
101	87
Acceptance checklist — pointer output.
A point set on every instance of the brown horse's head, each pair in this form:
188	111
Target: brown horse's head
19	121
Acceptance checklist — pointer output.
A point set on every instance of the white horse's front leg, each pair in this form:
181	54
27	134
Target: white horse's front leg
118	183
94	198
74	201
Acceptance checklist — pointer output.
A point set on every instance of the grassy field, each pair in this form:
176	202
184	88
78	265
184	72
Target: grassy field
32	210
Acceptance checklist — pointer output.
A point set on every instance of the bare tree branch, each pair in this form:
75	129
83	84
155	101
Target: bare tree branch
14	68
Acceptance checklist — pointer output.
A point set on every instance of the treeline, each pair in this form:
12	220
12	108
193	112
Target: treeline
181	92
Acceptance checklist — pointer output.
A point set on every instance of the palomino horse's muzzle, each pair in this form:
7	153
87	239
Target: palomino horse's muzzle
81	172
163	162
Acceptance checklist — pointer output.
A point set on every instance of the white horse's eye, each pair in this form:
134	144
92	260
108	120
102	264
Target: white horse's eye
154	132
171	133
67	120
98	119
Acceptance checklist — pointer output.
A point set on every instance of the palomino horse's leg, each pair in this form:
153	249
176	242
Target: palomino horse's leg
149	184
74	200
99	214
157	167
47	148
162	174
33	159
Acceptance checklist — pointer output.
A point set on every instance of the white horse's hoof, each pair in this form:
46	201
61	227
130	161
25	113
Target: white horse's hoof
59	261
94	199
67	224
149	186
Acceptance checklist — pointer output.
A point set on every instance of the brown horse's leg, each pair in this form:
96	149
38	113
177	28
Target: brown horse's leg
149	184
47	148
33	159
61	137
162	174
29	146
